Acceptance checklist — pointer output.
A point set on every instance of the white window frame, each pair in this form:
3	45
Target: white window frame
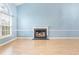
5	36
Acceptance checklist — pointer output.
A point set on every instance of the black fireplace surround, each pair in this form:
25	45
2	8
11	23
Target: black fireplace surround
40	33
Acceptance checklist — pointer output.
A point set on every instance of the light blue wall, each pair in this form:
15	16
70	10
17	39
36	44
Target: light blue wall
57	17
14	24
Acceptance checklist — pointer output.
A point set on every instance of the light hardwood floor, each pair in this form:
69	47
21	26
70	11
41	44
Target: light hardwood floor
41	47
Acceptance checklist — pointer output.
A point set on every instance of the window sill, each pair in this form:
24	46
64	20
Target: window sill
2	37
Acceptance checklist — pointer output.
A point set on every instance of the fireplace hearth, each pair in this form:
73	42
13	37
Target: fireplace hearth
40	33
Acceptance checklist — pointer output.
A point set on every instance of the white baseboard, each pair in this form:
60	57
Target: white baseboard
63	37
8	41
25	38
50	38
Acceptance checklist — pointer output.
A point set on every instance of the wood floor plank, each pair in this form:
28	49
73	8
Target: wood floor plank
41	47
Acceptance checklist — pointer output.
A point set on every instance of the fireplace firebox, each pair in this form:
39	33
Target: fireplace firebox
40	33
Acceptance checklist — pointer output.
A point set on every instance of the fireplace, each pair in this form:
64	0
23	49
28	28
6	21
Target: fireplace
40	33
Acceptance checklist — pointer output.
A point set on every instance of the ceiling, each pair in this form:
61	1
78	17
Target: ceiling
17	4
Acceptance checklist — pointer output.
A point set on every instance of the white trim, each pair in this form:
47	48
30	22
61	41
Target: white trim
25	38
50	38
63	30
48	30
2	37
8	41
63	37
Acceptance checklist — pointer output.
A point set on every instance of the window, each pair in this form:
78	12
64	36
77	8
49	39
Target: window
5	21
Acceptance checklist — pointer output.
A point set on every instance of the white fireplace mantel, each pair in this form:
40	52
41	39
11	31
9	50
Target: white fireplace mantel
40	28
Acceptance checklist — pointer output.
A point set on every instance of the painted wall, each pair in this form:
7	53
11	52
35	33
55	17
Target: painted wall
62	20
14	24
